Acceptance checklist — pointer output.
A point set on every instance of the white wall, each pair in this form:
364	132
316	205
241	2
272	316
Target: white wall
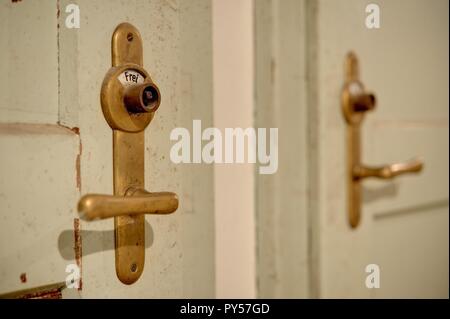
233	59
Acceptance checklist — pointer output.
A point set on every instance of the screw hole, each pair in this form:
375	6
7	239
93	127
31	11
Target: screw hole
130	37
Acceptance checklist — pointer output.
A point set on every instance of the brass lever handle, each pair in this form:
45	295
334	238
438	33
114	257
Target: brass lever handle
388	171
95	206
356	101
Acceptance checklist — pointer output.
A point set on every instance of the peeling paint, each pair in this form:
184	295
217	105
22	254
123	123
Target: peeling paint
78	247
78	168
51	294
76	130
78	165
52	291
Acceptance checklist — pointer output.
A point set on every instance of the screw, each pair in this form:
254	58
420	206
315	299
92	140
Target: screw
130	37
133	267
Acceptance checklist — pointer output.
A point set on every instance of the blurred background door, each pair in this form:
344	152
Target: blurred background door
55	146
306	247
404	225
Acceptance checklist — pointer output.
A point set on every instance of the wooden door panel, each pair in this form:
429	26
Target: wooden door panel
28	61
411	248
38	186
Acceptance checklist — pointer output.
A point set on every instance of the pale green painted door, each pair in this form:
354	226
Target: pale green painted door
306	247
56	145
404	226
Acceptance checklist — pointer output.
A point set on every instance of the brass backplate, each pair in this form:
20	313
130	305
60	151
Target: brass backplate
128	146
128	165
353	120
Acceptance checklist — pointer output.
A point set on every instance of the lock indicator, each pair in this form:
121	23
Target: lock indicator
131	77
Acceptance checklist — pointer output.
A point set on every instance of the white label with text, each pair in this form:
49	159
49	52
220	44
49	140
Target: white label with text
130	77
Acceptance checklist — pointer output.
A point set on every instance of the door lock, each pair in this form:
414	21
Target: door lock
355	103
129	99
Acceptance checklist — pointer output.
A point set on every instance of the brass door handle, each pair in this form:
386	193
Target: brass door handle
129	99
355	103
135	202
388	171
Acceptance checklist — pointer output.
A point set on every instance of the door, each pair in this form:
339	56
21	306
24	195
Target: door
306	246
56	146
404	225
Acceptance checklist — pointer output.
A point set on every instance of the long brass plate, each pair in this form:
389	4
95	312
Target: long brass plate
128	155
353	121
128	149
353	185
